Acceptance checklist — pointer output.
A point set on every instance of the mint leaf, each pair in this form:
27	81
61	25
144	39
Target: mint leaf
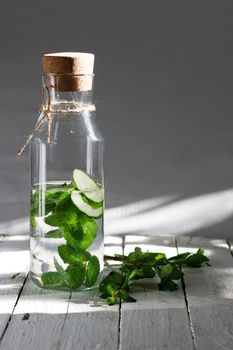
180	258
197	259
92	271
59	268
64	203
72	277
49	207
72	255
84	234
32	220
168	284
88	228
135	274
54	234
167	274
165	271
115	278
45	199
65	213
78	229
34	201
138	253
52	279
159	256
114	288
75	275
69	236
177	274
112	300
126	297
148	272
54	220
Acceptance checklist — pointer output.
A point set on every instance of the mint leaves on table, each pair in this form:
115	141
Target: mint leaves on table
139	265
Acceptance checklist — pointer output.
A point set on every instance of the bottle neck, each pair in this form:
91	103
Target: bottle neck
67	93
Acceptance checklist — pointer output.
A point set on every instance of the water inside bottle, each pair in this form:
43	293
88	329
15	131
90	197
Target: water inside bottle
43	242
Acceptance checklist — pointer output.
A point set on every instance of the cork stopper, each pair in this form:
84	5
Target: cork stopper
68	71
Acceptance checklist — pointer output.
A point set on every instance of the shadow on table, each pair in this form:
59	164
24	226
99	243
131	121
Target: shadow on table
172	215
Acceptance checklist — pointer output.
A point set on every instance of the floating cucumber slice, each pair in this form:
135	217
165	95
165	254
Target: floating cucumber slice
84	207
88	186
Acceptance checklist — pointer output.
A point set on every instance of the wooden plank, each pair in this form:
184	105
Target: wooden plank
209	293
37	320
38	317
90	325
14	265
158	320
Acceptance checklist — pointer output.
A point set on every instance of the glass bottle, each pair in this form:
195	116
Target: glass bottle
67	196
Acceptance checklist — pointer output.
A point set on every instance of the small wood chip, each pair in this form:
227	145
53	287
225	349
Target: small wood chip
25	317
15	275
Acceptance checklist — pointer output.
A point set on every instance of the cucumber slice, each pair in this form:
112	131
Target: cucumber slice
84	207
88	186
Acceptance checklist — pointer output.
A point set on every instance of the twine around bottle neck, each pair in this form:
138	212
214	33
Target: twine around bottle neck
47	112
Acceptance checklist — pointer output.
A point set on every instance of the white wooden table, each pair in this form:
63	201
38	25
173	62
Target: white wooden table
199	316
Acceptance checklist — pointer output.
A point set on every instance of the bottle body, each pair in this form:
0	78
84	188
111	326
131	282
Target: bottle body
67	196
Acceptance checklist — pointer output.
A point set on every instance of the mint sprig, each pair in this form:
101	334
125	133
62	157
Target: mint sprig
115	287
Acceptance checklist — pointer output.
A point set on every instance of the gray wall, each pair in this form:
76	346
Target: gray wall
164	96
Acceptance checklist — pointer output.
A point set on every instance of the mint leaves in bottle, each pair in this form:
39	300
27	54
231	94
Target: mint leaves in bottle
67	241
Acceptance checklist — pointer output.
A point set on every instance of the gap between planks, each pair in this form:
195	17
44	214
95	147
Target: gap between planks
209	294
13	273
10	316
158	320
120	305
187	304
